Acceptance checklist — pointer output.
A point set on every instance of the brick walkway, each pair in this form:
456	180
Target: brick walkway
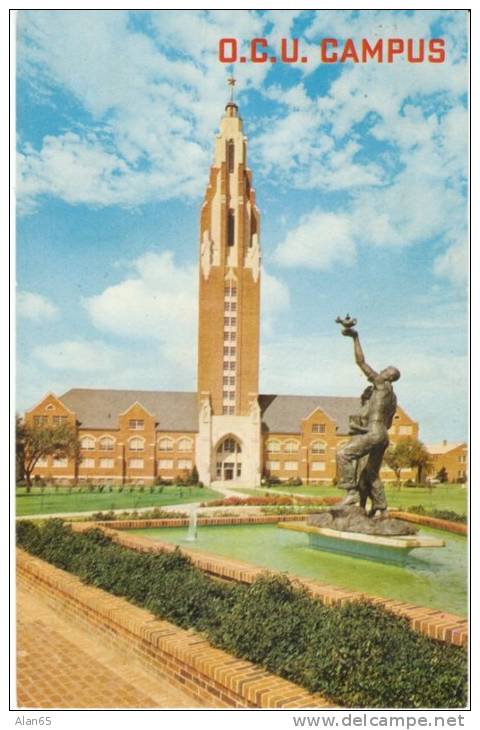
59	665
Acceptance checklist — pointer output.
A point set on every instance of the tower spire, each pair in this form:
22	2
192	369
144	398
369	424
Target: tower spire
231	81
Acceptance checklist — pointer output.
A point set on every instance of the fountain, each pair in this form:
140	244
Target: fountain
192	525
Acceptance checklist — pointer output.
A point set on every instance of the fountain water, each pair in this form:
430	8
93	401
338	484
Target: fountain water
192	525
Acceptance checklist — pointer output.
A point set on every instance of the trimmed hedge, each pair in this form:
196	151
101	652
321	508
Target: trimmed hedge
440	514
356	654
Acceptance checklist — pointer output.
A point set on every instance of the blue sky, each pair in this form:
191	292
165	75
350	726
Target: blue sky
360	172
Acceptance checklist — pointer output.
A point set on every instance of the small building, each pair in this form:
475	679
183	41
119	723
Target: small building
451	456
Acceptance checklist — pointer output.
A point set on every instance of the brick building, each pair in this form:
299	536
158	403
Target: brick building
226	428
451	456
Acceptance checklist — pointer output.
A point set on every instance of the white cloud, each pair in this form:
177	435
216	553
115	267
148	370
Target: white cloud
158	301
275	302
453	263
152	115
319	241
423	202
431	384
77	356
35	307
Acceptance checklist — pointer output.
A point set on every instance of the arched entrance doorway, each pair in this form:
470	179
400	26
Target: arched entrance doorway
228	459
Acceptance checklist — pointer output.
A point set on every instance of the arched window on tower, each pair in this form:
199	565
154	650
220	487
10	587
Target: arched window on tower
231	155
231	228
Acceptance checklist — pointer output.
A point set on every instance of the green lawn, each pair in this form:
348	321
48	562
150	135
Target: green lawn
51	501
443	496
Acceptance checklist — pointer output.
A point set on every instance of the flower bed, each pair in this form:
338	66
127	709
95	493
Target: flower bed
276	500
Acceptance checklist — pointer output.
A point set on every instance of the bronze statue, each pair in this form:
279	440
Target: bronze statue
360	459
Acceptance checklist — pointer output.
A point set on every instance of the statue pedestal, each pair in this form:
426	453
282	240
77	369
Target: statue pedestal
355	544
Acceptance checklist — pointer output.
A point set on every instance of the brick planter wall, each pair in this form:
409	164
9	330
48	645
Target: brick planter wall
171	654
434	522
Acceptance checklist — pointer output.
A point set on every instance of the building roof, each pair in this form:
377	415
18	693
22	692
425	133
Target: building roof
173	411
178	411
283	413
444	447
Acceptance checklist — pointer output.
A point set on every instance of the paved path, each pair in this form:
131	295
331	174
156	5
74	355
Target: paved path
60	665
181	507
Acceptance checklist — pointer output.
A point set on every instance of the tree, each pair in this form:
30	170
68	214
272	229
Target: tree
20	451
416	456
194	478
395	459
442	475
36	442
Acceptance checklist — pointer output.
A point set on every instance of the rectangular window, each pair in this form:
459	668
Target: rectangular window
228	410
273	465
226	307
40	420
232	366
165	464
404	430
318	466
231	380
226	321
231	228
106	463
233	307
184	464
318	428
60	462
87	463
59	420
226	350
225	379
135	463
42	461
135	424
291	465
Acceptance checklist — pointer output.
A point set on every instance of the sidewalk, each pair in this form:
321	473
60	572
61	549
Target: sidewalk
61	666
181	507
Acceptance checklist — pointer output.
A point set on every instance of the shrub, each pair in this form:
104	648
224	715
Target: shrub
294	482
153	514
439	514
273	480
357	654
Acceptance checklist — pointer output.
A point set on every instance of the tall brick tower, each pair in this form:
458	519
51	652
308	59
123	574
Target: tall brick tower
229	314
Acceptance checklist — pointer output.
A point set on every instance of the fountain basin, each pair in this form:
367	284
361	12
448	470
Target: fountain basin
369	547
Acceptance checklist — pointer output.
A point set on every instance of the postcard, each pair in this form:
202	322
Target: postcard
242	375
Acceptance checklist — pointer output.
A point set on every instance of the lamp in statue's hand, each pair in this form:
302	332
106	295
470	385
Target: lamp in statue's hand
348	323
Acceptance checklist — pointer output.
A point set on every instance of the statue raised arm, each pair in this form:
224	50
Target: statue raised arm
381	409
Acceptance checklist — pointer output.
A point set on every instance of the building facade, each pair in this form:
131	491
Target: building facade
451	456
226	429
